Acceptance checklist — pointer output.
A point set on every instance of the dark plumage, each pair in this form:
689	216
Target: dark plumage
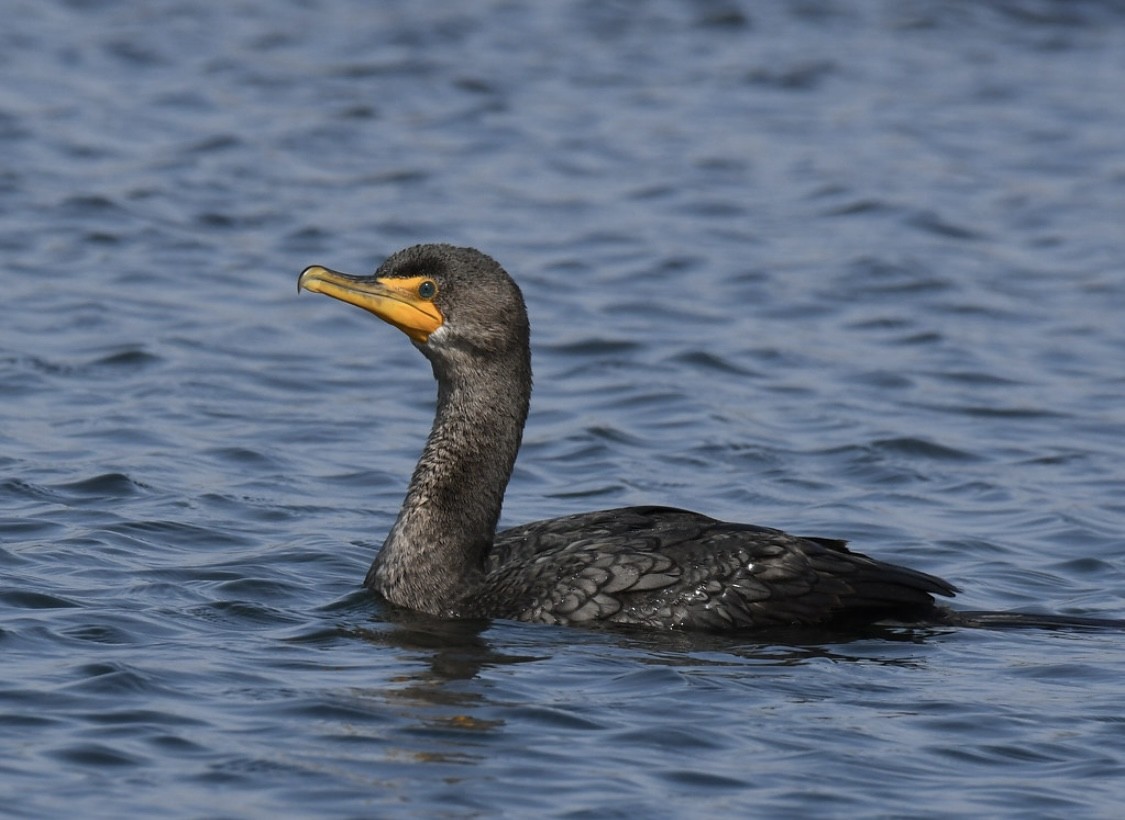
652	566
664	567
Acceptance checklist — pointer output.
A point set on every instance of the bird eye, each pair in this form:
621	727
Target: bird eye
427	290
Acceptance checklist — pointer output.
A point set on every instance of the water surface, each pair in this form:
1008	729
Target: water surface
853	269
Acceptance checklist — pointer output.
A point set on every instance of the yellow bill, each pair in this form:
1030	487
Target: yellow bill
405	303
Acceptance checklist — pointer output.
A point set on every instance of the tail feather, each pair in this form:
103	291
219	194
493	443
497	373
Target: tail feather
986	619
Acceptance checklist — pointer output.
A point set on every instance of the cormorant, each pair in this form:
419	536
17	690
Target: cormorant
650	566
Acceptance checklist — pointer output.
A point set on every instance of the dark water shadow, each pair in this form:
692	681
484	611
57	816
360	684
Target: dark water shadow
456	650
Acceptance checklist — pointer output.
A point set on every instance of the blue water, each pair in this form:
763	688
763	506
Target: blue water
855	269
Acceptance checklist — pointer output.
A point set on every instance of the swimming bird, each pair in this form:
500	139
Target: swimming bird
649	566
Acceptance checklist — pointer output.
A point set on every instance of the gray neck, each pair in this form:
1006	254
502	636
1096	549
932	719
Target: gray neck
436	549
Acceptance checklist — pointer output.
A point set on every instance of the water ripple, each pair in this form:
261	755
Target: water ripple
847	268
